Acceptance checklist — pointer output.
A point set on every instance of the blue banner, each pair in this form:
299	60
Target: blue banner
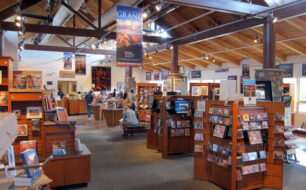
129	36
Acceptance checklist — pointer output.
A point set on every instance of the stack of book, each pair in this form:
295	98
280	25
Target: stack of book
24	180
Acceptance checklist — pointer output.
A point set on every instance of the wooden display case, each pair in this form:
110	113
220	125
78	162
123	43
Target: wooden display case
6	77
20	100
144	90
226	173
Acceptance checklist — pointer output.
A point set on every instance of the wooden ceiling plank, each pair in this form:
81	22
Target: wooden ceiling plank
293	46
297	23
247	41
153	67
243	53
192	54
224	58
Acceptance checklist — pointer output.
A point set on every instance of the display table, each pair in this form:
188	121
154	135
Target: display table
70	169
97	112
112	116
77	107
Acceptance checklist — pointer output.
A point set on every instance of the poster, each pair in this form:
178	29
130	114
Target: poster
129	37
222	70
249	91
242	78
245	69
287	70
304	69
195	74
156	76
101	78
80	64
164	75
66	74
67	61
148	76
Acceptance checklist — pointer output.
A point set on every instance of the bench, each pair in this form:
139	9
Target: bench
131	129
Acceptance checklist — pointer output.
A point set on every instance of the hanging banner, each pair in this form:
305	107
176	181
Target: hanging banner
80	64
245	69
129	37
67	61
249	91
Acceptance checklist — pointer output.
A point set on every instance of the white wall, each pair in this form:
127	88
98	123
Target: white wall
50	63
11	45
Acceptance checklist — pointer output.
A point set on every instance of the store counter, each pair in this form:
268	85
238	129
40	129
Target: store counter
112	116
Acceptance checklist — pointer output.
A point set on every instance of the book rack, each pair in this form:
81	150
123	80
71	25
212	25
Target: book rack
144	90
231	158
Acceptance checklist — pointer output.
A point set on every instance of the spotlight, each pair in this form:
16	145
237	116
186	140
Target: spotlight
213	60
272	18
18	17
206	56
144	14
21	31
21	47
150	57
18	24
256	39
158	7
93	46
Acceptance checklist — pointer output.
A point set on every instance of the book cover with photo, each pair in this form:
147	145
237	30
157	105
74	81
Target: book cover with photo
22	130
35	125
34	112
25	145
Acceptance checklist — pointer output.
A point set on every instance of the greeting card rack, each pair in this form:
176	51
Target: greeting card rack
144	90
6	76
176	128
240	147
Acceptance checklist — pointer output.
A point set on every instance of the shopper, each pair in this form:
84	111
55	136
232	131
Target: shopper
89	98
126	101
129	117
61	93
114	93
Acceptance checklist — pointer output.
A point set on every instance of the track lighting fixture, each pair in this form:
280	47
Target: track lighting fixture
18	23
213	60
206	56
169	46
93	46
256	39
18	17
21	44
272	18
150	57
159	6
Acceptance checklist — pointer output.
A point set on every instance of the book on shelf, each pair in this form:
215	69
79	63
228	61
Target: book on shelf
34	112
0	76
35	125
59	149
30	158
61	114
22	130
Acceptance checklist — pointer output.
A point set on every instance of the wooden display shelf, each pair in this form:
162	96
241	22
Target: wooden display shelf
70	169
226	176
6	68
141	108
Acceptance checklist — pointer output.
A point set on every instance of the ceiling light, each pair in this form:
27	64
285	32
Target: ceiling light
206	56
256	39
213	60
274	19
144	14
18	24
18	17
93	46
150	57
158	7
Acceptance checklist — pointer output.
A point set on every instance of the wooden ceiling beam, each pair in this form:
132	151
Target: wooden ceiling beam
247	41
229	6
164	67
204	49
297	23
294	47
147	69
223	44
167	57
153	67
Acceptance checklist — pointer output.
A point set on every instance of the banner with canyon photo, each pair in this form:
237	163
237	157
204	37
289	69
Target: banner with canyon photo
80	64
129	37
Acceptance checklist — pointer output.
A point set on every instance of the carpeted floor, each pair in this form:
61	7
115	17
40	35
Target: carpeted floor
126	164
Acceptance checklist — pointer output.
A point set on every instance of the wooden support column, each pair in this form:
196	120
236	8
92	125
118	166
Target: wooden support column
1	43
128	72
174	66
269	44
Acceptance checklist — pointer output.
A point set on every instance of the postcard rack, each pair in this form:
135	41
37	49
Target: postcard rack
241	148
144	90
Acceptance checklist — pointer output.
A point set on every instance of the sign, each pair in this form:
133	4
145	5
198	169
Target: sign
66	74
148	76
222	70
80	64
195	74
129	37
67	61
249	91
233	78
304	69
164	75
245	69
287	70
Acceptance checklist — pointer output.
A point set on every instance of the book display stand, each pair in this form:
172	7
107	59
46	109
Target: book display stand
173	125
6	74
240	149
144	90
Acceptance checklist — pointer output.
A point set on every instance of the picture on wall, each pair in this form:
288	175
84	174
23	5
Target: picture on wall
80	64
148	76
304	69
287	69
101	78
22	130
245	69
120	86
195	74
67	61
156	76
164	75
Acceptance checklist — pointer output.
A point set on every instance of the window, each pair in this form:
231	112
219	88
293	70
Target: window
302	96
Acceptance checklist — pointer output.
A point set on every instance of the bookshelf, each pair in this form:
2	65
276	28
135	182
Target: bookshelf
6	76
144	90
231	158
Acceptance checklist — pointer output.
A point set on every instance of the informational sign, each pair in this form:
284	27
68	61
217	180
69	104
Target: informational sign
249	91
129	36
195	74
80	64
67	61
304	69
222	70
287	70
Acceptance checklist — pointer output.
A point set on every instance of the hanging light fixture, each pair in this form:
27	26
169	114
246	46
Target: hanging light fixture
159	6
93	46
213	60
206	56
256	39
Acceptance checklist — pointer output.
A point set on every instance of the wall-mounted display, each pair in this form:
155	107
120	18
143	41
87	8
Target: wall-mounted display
195	74
304	69
101	78
27	79
287	69
156	76
164	75
67	61
148	76
34	112
80	64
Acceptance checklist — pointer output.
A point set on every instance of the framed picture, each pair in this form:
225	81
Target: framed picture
120	86
287	69
34	112
22	130
164	75
195	91
68	61
148	76
4	98
101	78
255	137
80	64
304	69
35	125
195	74
30	158
156	76
17	114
